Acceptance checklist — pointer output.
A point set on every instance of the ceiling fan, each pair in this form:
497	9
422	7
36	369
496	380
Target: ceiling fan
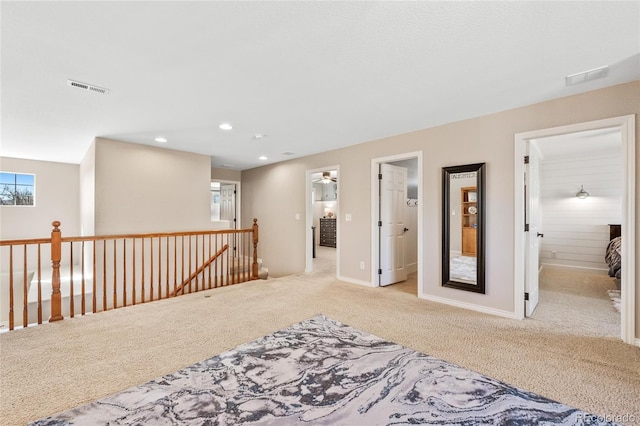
326	178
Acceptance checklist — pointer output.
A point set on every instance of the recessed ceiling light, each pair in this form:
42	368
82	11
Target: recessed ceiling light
161	140
225	126
259	136
262	157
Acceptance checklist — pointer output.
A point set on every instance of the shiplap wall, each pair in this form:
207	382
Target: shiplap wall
576	232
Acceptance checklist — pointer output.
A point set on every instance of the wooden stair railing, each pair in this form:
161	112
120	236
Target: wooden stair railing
114	271
198	271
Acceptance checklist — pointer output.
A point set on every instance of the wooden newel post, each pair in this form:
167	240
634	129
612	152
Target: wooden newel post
254	266
56	255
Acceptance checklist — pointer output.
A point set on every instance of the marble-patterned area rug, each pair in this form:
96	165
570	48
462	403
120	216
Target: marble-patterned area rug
322	372
463	268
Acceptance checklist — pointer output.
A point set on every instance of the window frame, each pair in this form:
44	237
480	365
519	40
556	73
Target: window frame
15	185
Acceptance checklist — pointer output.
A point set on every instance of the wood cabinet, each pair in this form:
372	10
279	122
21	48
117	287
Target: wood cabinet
328	232
469	221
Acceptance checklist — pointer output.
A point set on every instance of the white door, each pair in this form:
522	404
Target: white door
393	196
532	218
228	203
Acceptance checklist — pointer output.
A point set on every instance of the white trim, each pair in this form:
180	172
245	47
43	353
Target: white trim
309	218
594	271
627	126
374	214
637	342
355	281
469	306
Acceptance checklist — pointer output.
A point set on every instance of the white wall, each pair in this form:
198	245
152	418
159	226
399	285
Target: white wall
56	192
576	231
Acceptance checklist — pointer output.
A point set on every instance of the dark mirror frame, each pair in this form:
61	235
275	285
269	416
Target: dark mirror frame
479	287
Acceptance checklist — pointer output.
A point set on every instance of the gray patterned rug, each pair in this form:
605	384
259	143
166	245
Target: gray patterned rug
320	371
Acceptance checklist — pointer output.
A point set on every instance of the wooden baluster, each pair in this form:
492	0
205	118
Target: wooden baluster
209	265
124	272
25	290
175	264
227	274
151	269
215	267
115	276
254	268
142	270
56	254
71	295
94	277
83	310
203	258
11	325
133	291
190	261
159	268
104	275
182	268
167	268
39	286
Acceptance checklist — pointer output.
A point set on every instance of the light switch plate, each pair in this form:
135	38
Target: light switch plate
347	217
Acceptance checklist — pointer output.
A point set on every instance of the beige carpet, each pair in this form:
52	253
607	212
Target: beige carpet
57	366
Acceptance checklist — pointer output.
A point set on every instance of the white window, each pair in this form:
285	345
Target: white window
17	189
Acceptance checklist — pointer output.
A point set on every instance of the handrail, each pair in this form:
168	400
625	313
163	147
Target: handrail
199	270
97	273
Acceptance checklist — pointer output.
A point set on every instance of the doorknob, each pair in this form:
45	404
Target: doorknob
405	229
540	235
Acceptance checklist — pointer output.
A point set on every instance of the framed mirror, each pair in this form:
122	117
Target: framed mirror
463	227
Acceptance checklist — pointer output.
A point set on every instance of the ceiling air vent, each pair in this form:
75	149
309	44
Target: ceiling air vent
88	87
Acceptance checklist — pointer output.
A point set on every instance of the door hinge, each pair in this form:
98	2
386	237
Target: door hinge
379	223
234	219
379	271
526	296
526	227
379	176
234	191
526	159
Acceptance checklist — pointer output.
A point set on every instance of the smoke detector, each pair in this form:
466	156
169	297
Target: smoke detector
89	87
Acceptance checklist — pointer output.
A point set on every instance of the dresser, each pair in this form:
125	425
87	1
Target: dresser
328	232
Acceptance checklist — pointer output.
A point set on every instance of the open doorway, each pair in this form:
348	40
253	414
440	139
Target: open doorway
396	227
322	220
225	204
574	191
577	287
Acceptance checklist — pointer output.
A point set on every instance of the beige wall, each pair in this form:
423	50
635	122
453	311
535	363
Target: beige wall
140	189
218	173
275	193
56	199
87	191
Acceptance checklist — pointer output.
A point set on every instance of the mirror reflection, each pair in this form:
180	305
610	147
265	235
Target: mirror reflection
463	253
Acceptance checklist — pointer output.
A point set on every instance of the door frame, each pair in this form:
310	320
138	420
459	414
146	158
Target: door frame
238	185
309	217
375	203
626	124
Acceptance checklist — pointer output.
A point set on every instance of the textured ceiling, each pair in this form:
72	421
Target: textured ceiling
312	76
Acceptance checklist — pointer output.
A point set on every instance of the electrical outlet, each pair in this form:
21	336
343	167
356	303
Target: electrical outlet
362	265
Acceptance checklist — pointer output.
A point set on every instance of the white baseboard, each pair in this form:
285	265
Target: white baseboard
469	306
582	269
355	281
412	267
637	342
